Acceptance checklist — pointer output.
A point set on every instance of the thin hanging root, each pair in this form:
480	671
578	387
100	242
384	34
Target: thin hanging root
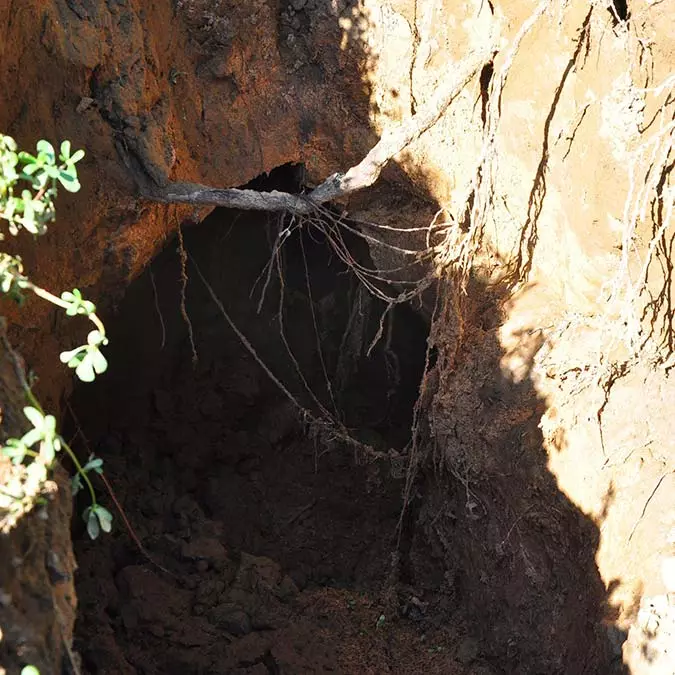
380	330
184	281
370	278
415	455
157	308
279	241
282	333
327	428
242	338
315	324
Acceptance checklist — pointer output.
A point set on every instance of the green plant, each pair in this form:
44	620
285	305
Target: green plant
28	187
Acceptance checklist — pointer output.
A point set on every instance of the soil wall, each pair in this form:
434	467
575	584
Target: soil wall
549	402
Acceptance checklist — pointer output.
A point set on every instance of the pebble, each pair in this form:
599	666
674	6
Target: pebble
231	618
467	651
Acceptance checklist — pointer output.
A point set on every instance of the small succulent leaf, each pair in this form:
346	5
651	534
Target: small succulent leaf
48	452
37	472
104	518
95	337
35	417
99	361
70	356
32	437
77	156
77	359
75	484
30	169
27	158
46	148
65	150
69	183
85	371
94	464
93	529
15	449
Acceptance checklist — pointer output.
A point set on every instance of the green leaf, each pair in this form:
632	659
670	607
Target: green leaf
35	417
93	529
85	371
94	464
77	359
28	220
69	173
15	449
32	437
47	148
75	484
8	142
37	472
49	425
69	182
30	169
95	337
76	157
48	452
30	670
71	297
73	356
27	158
98	361
11	207
65	151
52	171
104	517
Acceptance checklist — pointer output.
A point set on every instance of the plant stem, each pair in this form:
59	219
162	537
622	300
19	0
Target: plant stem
80	470
33	401
50	297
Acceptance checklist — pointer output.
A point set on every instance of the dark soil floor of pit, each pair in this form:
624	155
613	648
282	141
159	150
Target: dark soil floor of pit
280	555
277	544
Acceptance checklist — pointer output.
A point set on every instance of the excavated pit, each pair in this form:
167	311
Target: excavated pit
276	541
255	539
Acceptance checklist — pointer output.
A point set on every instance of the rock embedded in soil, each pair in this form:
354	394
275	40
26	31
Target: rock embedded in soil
231	618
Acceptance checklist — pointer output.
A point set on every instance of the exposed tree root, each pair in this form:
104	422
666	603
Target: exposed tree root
339	185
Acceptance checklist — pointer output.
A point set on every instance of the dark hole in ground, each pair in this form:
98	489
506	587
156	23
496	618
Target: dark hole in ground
278	544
